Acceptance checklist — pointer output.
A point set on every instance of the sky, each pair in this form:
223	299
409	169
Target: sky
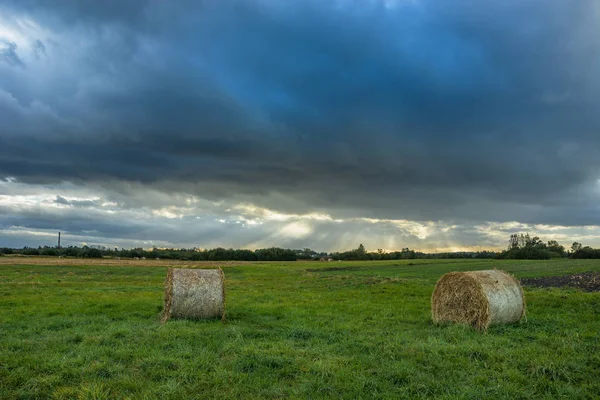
429	124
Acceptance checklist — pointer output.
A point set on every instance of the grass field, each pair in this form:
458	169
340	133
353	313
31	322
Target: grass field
293	330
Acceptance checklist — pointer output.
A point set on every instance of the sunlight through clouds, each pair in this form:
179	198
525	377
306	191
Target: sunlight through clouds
392	123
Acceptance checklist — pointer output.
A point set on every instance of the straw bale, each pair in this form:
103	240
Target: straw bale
194	294
478	298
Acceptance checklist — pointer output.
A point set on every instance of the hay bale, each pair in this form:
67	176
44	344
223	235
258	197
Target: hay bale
194	294
478	298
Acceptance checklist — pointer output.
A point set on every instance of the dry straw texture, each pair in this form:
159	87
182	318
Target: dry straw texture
194	294
478	298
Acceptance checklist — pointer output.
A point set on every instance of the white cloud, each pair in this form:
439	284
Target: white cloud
34	213
296	230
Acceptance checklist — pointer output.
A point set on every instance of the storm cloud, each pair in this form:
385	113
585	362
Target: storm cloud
451	115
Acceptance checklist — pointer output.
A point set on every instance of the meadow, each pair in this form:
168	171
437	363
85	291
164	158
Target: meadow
81	329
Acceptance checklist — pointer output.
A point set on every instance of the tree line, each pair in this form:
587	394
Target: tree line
520	247
222	254
218	254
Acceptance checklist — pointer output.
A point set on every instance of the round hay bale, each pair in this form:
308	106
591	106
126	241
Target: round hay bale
194	294
478	298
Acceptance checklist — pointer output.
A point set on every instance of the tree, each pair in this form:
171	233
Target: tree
535	242
361	250
406	253
556	249
524	247
513	242
586	252
576	247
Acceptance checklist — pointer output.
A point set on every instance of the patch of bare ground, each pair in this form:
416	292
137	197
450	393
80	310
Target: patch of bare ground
587	281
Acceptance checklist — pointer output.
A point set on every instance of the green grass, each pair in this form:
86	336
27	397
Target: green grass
93	332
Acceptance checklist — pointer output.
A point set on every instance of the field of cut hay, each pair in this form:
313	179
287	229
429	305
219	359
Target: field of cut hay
89	329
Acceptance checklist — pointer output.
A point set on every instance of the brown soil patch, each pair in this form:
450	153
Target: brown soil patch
587	281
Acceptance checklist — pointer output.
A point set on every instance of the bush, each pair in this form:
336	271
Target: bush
49	251
30	252
86	252
586	253
526	253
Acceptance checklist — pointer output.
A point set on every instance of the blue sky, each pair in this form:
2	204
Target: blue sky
323	124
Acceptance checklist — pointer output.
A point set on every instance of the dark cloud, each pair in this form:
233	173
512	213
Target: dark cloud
78	203
88	11
426	110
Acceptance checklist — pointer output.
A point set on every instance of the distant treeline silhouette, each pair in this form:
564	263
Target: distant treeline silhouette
222	254
520	247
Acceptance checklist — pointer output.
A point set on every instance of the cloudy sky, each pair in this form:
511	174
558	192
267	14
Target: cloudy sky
429	124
